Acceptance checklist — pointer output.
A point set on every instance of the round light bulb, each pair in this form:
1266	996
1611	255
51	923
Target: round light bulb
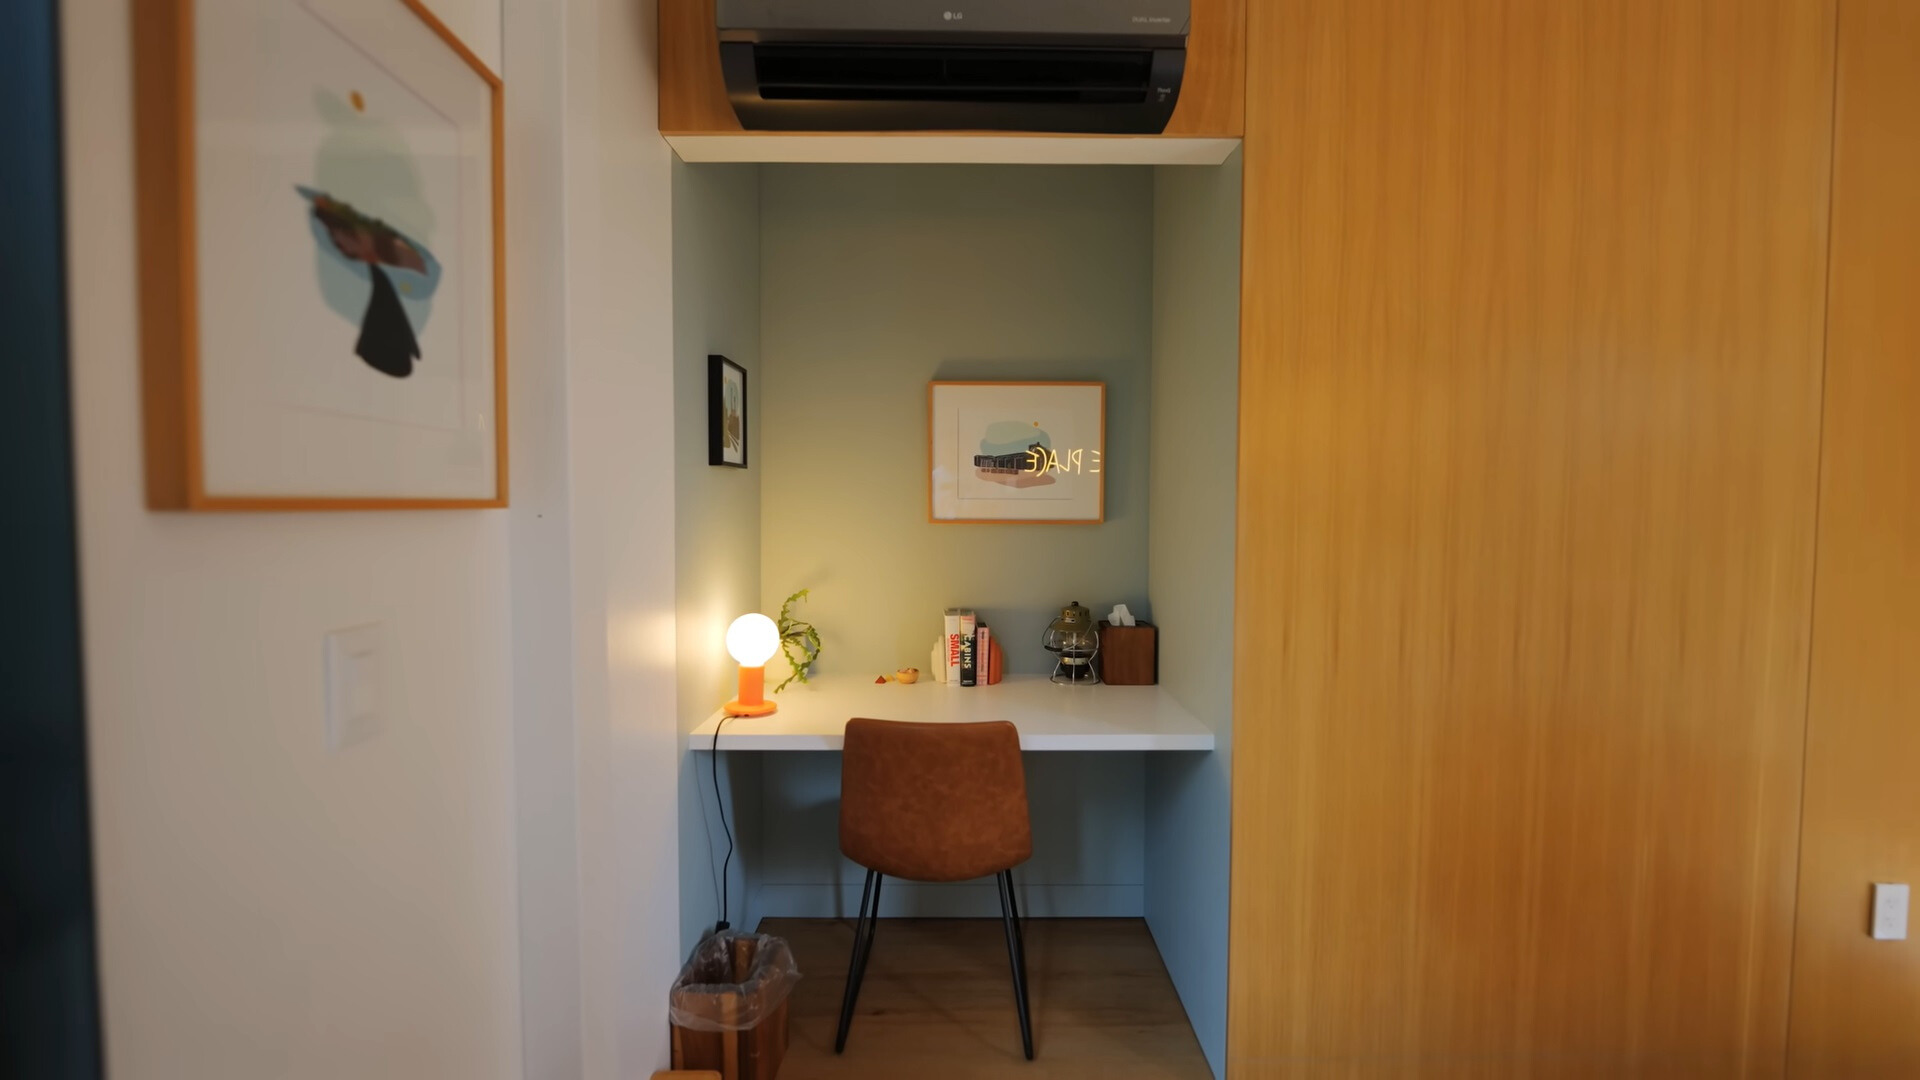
752	640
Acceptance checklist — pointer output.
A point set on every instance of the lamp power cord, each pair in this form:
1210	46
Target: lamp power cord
720	803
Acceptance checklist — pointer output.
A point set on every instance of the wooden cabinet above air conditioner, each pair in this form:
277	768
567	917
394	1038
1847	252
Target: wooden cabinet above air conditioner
699	121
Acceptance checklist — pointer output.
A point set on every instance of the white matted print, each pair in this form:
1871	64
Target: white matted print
1017	452
726	413
343	258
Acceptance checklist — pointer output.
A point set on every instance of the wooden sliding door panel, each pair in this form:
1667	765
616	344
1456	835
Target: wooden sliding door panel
1531	348
1856	1001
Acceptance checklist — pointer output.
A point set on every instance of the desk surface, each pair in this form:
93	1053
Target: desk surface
1050	717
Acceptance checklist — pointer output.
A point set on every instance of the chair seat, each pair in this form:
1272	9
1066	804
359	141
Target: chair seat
934	802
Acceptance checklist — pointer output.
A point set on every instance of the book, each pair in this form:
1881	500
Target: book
983	656
951	641
969	669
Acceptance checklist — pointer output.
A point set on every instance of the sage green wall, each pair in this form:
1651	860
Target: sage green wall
876	280
716	309
1196	389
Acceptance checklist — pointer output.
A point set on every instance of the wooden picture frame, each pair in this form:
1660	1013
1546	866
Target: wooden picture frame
214	443
727	413
1052	468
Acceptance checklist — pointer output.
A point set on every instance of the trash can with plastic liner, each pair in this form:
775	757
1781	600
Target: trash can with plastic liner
729	1006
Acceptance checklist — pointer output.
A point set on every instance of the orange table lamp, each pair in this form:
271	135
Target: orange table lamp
752	640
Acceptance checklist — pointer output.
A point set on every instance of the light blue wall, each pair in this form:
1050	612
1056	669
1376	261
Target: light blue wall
876	280
1196	371
863	283
1088	845
716	309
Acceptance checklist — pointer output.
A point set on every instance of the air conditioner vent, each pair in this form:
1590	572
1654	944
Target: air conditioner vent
1081	66
872	73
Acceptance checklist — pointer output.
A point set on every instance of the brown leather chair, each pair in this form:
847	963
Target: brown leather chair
934	802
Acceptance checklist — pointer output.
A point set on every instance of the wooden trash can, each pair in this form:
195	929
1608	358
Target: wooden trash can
730	983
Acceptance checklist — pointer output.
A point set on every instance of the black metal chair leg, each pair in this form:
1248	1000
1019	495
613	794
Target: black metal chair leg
1016	958
1019	938
873	928
857	960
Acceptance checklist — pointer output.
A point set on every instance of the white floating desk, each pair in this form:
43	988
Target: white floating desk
1050	717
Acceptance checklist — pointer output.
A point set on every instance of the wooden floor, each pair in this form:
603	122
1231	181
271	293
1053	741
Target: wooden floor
938	1003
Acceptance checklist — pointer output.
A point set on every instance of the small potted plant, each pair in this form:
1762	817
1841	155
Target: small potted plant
799	642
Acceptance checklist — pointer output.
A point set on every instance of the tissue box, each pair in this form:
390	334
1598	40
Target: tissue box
1129	655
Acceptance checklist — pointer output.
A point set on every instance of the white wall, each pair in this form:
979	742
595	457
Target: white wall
268	909
619	345
546	766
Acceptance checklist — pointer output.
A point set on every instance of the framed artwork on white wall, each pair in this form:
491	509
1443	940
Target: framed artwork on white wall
1005	453
726	413
321	257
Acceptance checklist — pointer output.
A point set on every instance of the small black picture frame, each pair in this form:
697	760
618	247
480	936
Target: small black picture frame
726	413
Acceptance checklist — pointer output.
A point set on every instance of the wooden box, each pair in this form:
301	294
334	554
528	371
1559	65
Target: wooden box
1129	655
753	1054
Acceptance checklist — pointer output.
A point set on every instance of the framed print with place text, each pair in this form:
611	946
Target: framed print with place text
321	257
1006	453
726	413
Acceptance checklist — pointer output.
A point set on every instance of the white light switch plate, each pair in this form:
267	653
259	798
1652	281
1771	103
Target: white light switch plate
1889	912
356	685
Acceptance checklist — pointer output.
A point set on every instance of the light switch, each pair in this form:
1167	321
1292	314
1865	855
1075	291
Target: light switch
356	677
1889	912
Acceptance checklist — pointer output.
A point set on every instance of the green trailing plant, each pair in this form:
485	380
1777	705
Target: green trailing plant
799	641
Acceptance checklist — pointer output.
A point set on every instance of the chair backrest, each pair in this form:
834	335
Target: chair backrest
934	802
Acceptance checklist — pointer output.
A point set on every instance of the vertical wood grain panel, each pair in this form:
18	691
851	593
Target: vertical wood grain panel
1213	93
1533	310
693	96
169	335
1856	1001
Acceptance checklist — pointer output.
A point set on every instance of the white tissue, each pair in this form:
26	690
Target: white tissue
1121	616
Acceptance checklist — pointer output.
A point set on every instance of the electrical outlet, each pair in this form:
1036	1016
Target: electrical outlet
1889	912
